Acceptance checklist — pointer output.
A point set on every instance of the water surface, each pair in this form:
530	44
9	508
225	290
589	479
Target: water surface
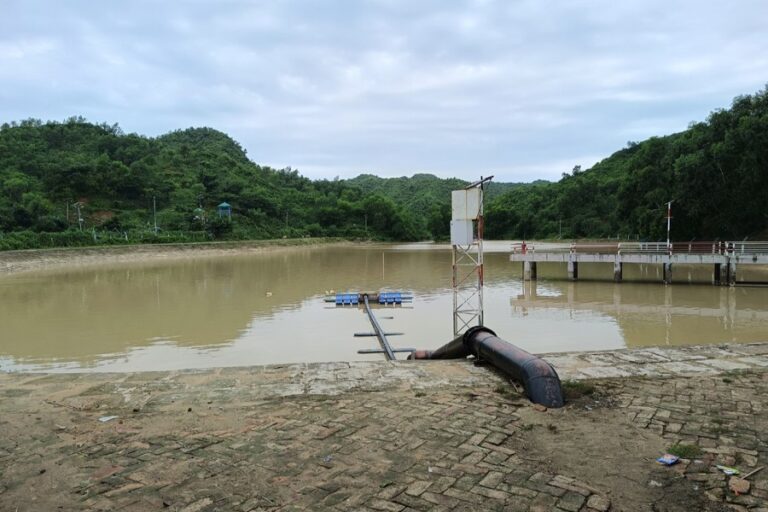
269	308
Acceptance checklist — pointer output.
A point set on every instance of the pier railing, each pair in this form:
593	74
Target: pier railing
725	257
721	248
747	247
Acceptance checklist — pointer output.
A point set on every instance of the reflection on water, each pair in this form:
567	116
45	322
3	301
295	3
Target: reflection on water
648	314
268	308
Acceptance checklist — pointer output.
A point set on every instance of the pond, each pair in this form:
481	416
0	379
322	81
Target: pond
269	308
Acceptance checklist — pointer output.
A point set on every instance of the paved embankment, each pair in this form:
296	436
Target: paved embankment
30	260
391	436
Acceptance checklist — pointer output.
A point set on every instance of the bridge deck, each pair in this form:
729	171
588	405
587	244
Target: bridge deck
723	256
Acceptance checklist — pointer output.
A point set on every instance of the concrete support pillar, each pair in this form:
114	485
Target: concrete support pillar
573	270
618	270
667	273
732	272
529	270
717	275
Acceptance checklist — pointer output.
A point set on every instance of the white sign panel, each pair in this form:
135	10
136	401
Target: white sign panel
465	204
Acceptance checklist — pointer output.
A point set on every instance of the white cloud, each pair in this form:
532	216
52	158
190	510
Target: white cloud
24	49
524	88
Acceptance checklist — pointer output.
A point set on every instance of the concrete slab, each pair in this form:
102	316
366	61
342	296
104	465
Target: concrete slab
418	435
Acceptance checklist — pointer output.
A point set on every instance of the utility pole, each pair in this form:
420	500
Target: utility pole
79	215
154	212
669	225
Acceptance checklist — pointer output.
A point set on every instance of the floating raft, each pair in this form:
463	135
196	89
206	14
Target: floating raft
367	299
354	298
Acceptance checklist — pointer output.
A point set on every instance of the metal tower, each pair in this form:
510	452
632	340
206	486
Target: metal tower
467	244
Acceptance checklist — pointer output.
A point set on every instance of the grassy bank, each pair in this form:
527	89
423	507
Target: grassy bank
23	240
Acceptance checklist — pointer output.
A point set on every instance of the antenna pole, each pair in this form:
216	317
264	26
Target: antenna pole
669	224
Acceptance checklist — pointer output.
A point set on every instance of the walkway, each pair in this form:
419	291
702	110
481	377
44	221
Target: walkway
391	436
723	257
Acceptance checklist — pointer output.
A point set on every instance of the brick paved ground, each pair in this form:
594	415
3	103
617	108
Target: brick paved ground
404	436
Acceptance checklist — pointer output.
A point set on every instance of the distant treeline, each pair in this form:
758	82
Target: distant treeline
716	172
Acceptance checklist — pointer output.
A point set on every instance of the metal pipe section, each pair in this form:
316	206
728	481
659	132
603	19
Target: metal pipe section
539	378
379	331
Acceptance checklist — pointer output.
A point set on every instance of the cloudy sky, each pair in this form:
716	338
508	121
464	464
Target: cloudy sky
523	89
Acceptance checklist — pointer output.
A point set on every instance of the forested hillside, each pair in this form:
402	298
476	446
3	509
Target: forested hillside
426	196
716	172
46	168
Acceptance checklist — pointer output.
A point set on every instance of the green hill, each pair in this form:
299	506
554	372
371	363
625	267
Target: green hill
47	167
716	172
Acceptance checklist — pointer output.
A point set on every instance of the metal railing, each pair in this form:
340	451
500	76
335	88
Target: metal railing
721	248
747	247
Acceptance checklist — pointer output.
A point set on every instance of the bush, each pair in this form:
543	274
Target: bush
19	240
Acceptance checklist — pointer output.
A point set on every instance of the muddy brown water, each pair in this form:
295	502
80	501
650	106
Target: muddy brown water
269	308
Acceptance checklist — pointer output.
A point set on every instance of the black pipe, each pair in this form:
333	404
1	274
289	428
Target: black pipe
539	378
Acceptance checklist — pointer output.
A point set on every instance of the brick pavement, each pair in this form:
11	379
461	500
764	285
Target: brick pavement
389	436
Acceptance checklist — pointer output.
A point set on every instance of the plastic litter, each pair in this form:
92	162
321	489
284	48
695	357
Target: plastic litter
105	419
728	470
668	459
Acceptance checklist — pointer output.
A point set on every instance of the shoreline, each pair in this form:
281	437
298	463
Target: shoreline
30	260
649	362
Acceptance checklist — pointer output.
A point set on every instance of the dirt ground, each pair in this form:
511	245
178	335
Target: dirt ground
40	259
446	436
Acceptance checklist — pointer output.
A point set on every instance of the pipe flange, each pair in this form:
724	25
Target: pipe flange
471	332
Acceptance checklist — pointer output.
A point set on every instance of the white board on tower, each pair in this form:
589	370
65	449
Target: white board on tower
465	204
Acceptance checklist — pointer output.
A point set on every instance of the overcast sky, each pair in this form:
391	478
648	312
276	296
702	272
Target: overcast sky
521	89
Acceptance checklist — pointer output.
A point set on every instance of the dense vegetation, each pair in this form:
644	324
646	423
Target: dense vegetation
46	168
716	172
425	196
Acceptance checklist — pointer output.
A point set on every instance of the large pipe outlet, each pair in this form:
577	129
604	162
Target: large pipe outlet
539	378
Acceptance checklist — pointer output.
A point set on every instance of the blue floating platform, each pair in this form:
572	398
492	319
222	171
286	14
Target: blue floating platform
390	298
347	299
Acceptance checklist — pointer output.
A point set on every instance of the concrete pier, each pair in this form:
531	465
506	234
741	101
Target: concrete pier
573	270
723	258
529	270
618	270
667	273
